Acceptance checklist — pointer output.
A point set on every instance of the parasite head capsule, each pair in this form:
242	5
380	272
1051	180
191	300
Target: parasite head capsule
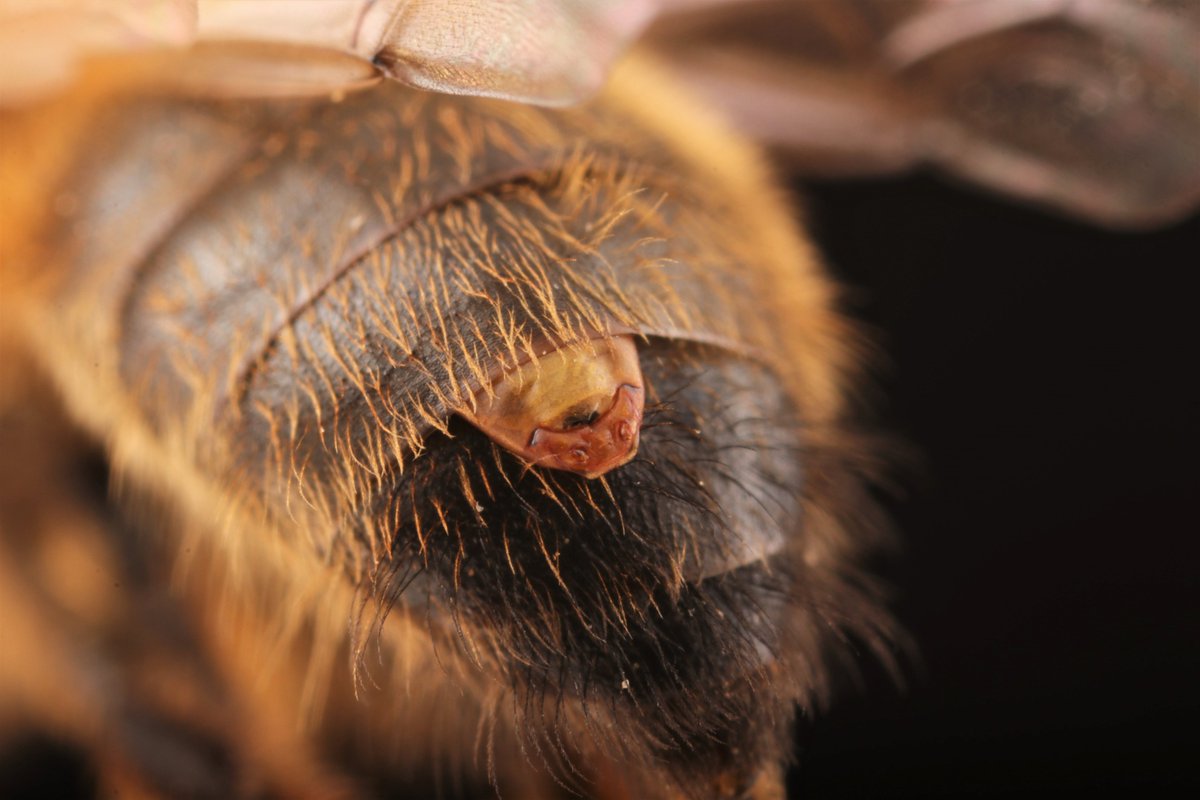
576	408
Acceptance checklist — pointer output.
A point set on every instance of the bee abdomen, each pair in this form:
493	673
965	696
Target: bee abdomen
312	288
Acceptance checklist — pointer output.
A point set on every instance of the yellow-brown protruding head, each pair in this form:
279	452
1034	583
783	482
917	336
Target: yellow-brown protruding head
576	408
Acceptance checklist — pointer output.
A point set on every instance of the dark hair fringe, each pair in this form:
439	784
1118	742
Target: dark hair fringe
691	677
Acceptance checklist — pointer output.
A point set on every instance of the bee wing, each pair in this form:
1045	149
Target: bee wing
41	42
538	51
1090	106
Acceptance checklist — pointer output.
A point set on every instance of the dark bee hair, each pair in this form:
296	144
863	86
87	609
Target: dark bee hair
273	312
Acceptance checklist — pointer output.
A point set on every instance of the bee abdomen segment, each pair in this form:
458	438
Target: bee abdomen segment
576	408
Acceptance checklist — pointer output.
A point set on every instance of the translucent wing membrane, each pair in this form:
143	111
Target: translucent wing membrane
41	43
538	51
1092	107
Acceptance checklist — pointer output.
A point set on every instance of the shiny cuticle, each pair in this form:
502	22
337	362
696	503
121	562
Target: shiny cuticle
576	408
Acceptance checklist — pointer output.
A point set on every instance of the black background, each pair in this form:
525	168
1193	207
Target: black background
1041	370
